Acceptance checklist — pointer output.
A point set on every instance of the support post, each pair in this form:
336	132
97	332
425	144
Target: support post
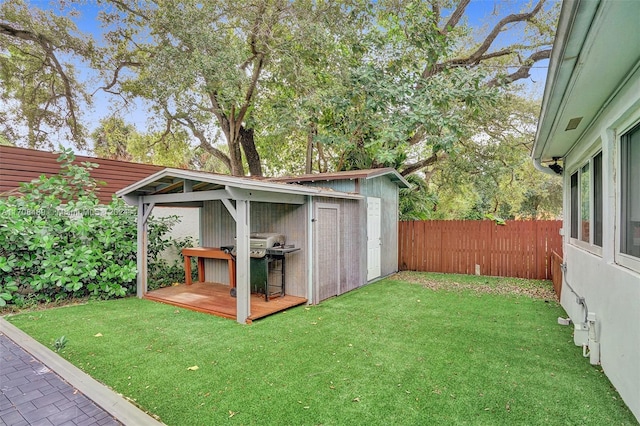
310	251
143	214
243	303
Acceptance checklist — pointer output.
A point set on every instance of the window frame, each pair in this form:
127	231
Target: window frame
576	202
624	259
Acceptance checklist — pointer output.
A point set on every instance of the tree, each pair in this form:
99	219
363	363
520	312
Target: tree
201	64
317	85
402	89
424	83
39	89
115	139
491	173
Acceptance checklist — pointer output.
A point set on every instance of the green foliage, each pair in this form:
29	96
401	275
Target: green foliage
115	139
57	242
164	273
491	172
417	202
60	343
386	111
40	91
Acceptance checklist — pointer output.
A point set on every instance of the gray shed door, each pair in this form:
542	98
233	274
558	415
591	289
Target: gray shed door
327	248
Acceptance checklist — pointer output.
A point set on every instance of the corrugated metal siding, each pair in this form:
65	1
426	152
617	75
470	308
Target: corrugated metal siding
19	165
219	228
383	188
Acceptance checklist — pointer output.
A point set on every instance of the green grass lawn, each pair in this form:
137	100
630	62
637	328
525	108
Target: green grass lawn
430	349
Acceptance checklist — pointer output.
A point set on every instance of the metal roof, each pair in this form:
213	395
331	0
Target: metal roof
348	175
175	181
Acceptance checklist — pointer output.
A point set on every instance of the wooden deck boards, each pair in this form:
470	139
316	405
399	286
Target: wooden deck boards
214	298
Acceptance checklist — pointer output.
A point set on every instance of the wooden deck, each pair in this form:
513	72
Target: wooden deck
214	298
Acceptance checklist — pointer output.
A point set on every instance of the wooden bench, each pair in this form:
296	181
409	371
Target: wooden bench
203	253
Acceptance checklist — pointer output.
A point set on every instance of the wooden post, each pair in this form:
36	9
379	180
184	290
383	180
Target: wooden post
243	302
143	214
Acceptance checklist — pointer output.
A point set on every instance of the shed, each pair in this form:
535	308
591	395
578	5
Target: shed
341	233
380	187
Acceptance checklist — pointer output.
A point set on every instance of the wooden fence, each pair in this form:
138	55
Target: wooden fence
520	249
556	273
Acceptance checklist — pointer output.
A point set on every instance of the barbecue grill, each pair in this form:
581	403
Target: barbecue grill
267	263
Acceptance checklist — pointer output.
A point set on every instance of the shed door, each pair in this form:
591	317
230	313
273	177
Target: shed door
374	241
327	248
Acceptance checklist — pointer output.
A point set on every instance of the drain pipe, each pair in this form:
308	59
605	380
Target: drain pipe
543	169
585	333
594	344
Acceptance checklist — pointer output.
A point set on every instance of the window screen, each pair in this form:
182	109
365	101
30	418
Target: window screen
574	205
597	200
630	192
585	181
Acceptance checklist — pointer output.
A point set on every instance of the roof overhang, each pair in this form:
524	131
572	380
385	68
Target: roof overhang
596	50
391	173
174	187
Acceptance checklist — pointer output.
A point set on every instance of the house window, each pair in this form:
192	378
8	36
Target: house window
586	203
597	200
574	205
585	212
630	192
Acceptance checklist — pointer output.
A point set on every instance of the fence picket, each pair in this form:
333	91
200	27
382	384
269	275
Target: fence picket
518	249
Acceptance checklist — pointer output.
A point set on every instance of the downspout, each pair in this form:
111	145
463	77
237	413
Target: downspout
543	169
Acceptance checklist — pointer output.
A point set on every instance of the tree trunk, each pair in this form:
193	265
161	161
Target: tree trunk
250	151
313	131
235	155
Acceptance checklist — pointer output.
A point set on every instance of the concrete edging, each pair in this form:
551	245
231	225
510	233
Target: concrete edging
116	405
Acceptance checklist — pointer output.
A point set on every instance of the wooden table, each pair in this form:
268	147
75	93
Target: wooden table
203	253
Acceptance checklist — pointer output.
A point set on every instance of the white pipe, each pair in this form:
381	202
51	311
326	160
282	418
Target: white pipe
594	344
543	169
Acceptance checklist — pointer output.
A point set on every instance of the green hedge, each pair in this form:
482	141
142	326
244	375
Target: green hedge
57	242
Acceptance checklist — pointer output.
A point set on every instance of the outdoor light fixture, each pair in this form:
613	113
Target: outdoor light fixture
557	168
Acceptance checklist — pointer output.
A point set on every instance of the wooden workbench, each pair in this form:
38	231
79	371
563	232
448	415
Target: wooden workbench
203	253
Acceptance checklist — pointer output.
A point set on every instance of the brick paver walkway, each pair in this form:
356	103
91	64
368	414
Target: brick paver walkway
31	394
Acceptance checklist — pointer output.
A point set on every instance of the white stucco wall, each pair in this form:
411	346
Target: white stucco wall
612	293
188	226
609	283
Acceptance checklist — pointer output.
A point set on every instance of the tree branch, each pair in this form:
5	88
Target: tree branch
116	74
419	165
204	142
52	61
455	16
122	5
480	53
523	71
516	17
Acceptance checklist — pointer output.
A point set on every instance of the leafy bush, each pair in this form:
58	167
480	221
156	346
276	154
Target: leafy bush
163	273
57	242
